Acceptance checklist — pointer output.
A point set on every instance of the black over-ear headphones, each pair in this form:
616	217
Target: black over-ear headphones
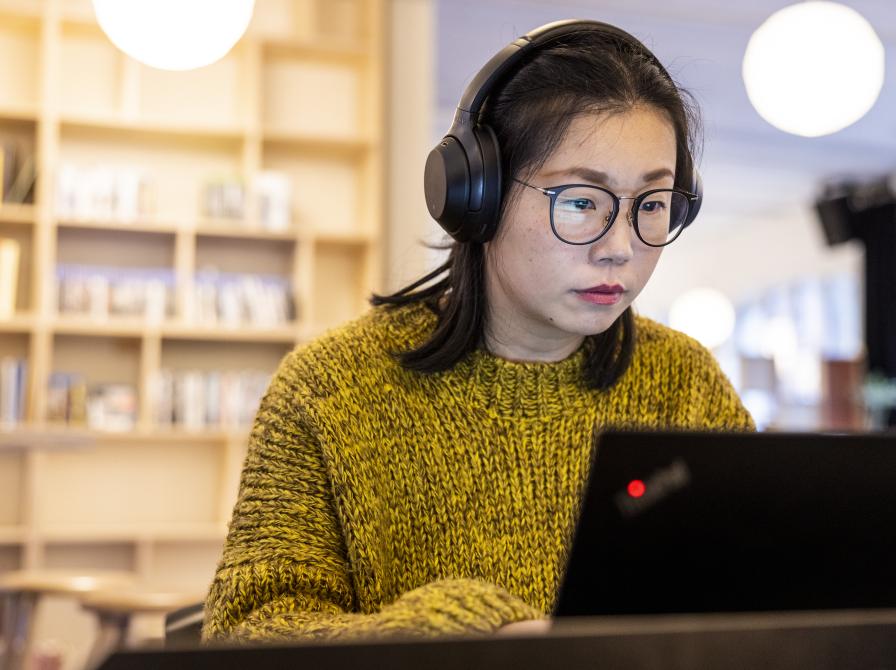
462	179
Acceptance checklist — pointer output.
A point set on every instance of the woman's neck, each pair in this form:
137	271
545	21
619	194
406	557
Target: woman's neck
514	341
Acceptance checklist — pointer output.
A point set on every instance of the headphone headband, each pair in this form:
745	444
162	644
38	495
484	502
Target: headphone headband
478	90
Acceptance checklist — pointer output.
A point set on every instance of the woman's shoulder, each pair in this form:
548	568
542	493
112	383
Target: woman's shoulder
655	339
373	337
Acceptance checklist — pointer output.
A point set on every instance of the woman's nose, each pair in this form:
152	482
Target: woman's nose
616	244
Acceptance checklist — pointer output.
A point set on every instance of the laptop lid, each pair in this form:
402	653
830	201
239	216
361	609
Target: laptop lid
734	522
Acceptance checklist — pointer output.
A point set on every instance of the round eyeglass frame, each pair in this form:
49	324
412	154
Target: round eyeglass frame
554	191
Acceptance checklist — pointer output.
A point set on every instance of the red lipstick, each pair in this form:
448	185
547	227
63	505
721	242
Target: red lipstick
605	294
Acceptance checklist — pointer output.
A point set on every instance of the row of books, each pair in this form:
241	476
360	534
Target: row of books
232	300
197	400
117	194
188	399
121	194
225	200
101	292
13	379
18	173
110	407
10	251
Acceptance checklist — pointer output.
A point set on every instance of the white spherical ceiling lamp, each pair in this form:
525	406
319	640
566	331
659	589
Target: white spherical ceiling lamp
705	314
814	68
174	34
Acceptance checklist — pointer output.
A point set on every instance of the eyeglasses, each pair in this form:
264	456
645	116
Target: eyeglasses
582	214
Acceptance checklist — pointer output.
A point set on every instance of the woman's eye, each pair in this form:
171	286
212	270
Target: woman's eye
578	204
652	206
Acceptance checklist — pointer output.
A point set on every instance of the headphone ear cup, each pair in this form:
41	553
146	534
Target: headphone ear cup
446	184
697	189
483	223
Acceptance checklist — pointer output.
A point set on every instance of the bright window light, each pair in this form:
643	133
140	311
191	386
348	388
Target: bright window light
174	34
814	68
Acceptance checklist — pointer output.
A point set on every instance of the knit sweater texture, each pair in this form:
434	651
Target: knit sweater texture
379	501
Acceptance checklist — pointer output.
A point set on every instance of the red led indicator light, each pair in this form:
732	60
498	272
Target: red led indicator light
636	488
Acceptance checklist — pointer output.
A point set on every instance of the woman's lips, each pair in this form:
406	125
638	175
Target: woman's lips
604	294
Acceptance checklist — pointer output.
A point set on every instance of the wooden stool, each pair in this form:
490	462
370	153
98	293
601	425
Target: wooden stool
22	589
114	609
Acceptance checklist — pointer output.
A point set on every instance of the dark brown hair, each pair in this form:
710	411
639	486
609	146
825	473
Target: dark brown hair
584	72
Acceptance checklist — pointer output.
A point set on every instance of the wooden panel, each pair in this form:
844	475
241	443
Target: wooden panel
90	69
338	273
12	474
24	236
10	558
284	19
13	344
130	485
212	95
115	248
19	49
268	257
210	356
184	567
319	99
102	360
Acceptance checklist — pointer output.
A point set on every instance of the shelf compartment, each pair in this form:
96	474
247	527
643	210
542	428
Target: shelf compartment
310	98
10	556
341	299
174	168
12	479
128	486
95	365
22	238
19	61
90	71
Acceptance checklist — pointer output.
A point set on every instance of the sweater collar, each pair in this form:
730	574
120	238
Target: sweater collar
504	387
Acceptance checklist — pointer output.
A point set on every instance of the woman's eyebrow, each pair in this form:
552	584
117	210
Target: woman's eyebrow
598	177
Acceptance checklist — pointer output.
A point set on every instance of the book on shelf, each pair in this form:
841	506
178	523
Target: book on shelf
224	200
235	299
106	406
112	407
109	193
273	192
10	252
102	292
19	173
13	378
67	398
197	400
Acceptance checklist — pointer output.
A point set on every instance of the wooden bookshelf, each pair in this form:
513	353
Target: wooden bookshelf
301	94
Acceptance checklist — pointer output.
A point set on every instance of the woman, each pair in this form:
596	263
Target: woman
417	472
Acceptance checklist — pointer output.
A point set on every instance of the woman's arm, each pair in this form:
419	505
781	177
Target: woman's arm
285	572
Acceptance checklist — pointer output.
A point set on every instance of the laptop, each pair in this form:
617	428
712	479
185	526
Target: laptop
692	523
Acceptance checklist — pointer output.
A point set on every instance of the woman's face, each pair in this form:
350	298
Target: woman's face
537	287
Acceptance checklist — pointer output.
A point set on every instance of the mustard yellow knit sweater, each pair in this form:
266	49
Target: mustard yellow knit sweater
379	501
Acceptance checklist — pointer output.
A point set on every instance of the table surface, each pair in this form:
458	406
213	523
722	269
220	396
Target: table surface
832	640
